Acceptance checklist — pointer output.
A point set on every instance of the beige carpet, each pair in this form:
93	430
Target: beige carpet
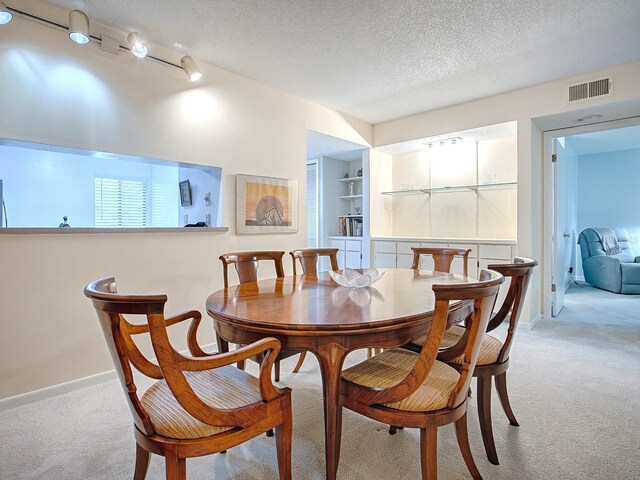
573	384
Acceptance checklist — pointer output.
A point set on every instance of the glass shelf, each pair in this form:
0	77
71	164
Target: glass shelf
350	197
456	188
351	179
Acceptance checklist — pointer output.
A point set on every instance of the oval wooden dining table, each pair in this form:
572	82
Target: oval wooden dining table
313	313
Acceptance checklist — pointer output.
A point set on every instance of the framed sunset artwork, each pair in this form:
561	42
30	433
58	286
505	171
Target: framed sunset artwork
266	205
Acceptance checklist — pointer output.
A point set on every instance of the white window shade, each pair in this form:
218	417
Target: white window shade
120	203
312	205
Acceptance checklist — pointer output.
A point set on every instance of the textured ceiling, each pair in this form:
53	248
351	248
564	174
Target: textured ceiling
382	59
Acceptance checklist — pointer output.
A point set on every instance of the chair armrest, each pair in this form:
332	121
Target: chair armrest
269	346
192	333
174	365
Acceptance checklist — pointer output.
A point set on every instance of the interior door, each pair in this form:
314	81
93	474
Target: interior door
561	227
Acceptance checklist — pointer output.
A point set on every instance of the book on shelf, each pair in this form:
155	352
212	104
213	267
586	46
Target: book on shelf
350	226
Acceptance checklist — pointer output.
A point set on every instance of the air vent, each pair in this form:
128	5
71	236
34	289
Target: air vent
594	88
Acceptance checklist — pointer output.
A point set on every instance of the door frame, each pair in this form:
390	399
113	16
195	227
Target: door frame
549	206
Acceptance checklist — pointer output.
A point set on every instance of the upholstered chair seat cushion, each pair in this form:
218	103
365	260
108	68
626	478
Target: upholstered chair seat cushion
489	348
391	367
223	388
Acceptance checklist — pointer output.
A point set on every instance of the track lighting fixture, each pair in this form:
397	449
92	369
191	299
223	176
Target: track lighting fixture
443	142
5	14
136	46
78	27
78	30
190	67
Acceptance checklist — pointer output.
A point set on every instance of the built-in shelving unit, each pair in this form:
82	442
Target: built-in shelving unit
466	190
346	207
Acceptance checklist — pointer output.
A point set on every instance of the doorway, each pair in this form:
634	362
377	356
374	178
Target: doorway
590	184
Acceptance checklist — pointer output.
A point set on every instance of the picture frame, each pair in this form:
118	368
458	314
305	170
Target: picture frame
266	205
185	193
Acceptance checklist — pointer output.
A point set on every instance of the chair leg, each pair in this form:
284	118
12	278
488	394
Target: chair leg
501	387
484	414
142	463
429	452
463	442
300	362
176	467
276	371
283	446
393	429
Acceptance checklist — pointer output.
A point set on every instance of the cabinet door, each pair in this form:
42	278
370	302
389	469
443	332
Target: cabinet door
384	260
404	260
352	260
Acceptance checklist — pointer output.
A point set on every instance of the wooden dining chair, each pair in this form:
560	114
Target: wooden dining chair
246	265
200	404
308	258
493	359
442	258
408	389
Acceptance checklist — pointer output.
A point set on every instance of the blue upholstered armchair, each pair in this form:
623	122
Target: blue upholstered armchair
616	272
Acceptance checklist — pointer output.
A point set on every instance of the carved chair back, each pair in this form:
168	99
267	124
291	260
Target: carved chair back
519	274
442	258
308	258
247	263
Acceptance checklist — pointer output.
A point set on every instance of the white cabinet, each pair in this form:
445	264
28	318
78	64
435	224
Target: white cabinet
349	252
390	253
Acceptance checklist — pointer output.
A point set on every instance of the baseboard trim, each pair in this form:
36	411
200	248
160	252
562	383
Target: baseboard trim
531	324
62	388
55	390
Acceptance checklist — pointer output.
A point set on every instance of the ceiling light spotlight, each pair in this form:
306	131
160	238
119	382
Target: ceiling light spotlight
442	144
138	48
78	27
5	14
589	118
190	67
453	141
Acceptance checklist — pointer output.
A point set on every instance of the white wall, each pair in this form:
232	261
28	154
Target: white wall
79	96
529	107
608	193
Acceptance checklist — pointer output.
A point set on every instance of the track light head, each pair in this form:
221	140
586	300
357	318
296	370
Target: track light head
78	27
138	48
5	14
190	67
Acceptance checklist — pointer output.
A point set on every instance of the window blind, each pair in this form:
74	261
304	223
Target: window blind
120	203
312	204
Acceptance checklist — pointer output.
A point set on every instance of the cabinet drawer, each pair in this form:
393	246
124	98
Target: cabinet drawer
339	244
500	252
405	247
434	245
473	247
384	247
353	245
